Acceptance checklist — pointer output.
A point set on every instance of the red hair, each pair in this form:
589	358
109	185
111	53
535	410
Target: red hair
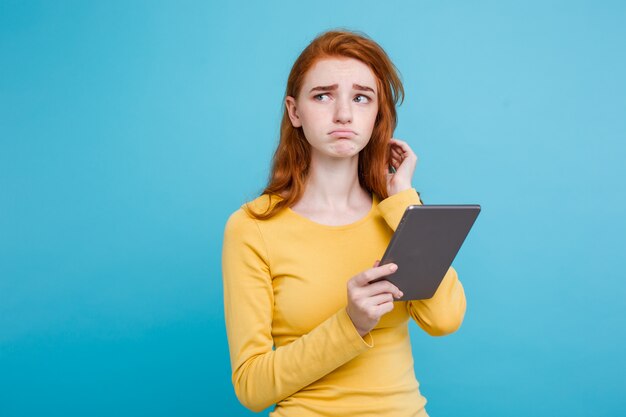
292	158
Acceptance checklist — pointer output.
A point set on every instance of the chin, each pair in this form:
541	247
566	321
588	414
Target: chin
343	155
345	149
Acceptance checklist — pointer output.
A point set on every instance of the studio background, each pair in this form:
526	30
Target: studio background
131	130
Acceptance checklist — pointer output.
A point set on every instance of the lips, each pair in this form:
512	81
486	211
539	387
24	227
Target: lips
343	133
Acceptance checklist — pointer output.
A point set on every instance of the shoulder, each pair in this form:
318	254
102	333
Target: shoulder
242	220
262	203
241	230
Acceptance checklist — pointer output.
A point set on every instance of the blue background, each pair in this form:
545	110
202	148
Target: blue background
131	130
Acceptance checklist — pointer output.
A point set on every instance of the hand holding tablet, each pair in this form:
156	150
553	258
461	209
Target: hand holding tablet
424	245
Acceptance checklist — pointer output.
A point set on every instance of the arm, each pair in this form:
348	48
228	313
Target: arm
262	376
444	312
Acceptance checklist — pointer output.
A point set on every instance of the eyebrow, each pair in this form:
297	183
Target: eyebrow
335	86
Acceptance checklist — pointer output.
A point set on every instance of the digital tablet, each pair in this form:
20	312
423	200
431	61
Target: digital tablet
424	245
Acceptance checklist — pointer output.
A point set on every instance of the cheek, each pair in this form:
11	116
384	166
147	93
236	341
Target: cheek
372	119
313	122
311	126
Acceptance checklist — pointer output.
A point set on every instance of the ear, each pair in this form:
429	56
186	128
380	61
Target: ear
290	104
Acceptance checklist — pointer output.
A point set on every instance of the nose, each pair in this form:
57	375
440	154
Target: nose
343	111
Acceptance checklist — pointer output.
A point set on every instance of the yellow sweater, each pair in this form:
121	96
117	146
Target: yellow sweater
291	340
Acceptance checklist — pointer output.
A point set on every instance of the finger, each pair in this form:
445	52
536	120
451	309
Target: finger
405	151
403	145
379	299
398	144
376	263
397	141
410	157
395	146
365	277
384	308
381	287
401	155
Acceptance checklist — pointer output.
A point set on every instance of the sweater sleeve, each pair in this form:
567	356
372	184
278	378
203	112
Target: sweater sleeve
443	313
262	374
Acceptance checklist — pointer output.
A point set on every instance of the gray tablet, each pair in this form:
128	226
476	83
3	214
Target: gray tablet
424	245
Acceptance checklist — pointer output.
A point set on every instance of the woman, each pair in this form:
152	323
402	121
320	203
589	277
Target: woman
305	329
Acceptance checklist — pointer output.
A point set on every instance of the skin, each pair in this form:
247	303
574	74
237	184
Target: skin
333	194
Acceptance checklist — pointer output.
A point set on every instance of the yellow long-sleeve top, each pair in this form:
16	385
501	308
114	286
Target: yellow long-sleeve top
291	340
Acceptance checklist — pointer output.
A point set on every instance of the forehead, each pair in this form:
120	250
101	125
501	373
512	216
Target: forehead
342	71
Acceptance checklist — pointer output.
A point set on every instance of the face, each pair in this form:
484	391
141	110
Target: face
336	107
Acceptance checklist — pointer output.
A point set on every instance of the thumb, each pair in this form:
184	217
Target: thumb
376	263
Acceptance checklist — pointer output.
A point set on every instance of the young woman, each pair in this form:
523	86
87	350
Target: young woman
305	329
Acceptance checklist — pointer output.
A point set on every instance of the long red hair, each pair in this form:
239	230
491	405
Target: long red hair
292	158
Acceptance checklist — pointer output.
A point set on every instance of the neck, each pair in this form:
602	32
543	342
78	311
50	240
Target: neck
333	183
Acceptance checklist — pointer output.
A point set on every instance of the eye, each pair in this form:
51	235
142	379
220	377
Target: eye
367	99
319	95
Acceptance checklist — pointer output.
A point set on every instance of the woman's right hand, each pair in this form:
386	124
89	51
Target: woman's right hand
367	303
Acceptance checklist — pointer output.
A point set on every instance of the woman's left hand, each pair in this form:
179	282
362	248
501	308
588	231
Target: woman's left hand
403	160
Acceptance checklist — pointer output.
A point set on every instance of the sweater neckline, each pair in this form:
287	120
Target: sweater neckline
356	223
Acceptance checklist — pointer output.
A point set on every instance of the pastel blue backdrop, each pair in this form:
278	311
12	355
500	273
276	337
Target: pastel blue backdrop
131	130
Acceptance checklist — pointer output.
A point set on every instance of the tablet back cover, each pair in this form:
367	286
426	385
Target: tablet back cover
424	245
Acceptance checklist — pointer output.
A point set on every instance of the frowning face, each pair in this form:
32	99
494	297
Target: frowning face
336	107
